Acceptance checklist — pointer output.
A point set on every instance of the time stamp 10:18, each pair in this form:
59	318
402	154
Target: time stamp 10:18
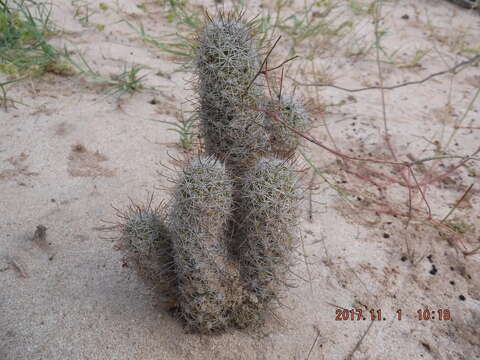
376	315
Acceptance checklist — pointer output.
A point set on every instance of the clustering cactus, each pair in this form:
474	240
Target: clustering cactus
225	246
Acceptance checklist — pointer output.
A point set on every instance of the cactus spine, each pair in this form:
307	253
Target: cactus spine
147	242
224	249
269	200
206	278
227	61
283	141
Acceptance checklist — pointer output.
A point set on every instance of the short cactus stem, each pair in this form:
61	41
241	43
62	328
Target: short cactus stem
283	141
226	63
269	201
147	243
206	278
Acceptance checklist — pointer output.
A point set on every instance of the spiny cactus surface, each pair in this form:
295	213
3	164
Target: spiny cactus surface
207	280
269	202
283	141
147	242
227	63
222	253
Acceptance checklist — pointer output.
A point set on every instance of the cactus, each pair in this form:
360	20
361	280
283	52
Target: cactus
284	141
147	242
226	64
207	280
269	202
222	253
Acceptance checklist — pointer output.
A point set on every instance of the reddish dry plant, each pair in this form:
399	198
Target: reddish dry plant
405	170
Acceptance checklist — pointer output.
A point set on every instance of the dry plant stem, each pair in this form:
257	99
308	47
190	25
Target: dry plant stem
472	252
421	192
357	345
408	165
454	70
377	19
380	77
457	203
267	80
469	108
262	65
387	162
467	111
366	178
313	345
468	127
452	170
318	143
409	202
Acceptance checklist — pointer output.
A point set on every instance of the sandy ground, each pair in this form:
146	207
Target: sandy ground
71	152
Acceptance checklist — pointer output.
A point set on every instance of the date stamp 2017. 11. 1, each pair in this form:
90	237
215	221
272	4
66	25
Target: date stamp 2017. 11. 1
378	315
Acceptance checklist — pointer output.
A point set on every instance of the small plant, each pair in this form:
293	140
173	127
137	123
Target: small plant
127	81
24	50
185	128
176	10
83	11
4	100
416	60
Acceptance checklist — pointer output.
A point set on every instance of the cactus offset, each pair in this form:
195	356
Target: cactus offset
147	242
283	141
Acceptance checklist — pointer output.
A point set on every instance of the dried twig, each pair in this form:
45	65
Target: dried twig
359	342
313	345
19	266
457	203
453	70
262	65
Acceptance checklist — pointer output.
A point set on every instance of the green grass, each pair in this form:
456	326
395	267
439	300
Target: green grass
185	128
25	27
24	49
181	48
83	11
4	99
177	11
128	81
